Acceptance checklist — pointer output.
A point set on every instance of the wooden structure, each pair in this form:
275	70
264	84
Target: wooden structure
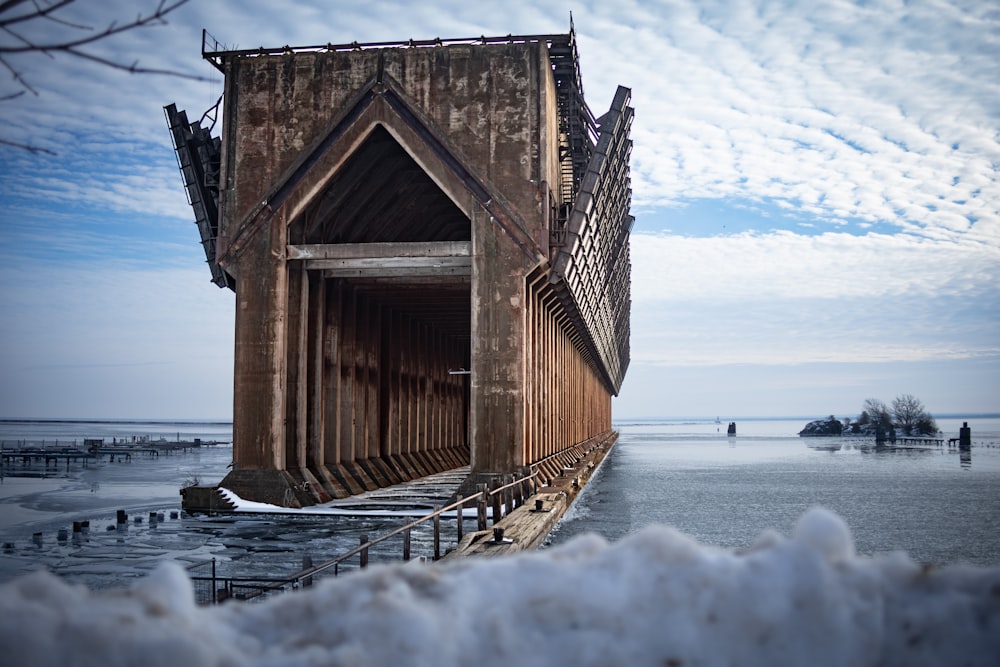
428	242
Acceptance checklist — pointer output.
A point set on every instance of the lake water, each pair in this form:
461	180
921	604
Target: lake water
688	474
45	500
933	503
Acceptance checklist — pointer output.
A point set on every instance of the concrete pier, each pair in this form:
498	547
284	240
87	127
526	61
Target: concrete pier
429	245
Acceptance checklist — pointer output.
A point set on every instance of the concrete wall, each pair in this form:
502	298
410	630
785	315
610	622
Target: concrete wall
319	395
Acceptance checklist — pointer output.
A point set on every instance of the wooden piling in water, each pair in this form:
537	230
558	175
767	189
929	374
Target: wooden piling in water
965	436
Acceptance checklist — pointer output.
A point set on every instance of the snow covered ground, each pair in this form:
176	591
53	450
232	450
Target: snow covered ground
654	598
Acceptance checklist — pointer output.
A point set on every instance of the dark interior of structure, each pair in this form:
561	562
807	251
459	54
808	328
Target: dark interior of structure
381	195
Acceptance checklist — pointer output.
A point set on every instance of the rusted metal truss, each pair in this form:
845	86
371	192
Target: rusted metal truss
592	271
198	157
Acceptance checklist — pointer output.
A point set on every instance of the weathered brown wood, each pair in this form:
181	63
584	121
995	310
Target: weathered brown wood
315	398
481	505
527	526
388	216
392	267
497	502
374	251
437	533
348	385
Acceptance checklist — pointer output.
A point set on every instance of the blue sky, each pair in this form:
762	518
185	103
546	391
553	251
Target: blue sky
815	186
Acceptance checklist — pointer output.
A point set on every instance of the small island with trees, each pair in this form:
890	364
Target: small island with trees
907	417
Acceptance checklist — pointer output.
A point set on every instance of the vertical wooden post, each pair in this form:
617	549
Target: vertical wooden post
481	508
364	551
437	533
406	544
965	436
307	562
460	516
332	380
526	483
508	495
497	513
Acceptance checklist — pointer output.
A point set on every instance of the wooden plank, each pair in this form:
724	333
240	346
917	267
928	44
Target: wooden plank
378	250
392	266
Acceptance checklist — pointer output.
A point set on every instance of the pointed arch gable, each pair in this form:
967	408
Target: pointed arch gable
380	103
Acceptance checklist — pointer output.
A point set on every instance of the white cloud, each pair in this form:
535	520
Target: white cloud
840	115
783	298
878	113
787	265
843	110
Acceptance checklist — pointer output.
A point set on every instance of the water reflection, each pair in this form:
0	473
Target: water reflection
681	475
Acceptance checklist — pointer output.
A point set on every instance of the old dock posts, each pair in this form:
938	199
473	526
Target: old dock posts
965	436
428	242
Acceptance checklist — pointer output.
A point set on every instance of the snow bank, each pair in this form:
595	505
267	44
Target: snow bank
654	598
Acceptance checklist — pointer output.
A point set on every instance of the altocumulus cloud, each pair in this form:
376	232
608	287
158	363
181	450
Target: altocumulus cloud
876	120
873	113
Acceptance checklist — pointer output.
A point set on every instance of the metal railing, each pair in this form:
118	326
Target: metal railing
210	588
508	492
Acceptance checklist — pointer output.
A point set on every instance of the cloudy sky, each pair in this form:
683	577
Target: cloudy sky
815	190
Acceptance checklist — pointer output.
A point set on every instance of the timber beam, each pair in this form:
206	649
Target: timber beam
386	260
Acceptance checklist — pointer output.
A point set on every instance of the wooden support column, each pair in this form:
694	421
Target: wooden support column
433	415
551	393
332	378
439	374
373	339
348	384
360	373
406	389
315	454
421	395
389	387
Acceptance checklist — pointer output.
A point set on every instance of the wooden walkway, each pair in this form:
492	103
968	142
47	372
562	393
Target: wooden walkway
424	493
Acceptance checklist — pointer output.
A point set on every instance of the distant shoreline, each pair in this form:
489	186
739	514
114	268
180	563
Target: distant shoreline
617	420
949	415
87	420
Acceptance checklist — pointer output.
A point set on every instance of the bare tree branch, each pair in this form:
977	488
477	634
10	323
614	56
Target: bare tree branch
13	3
17	17
156	18
27	147
25	86
39	12
134	67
